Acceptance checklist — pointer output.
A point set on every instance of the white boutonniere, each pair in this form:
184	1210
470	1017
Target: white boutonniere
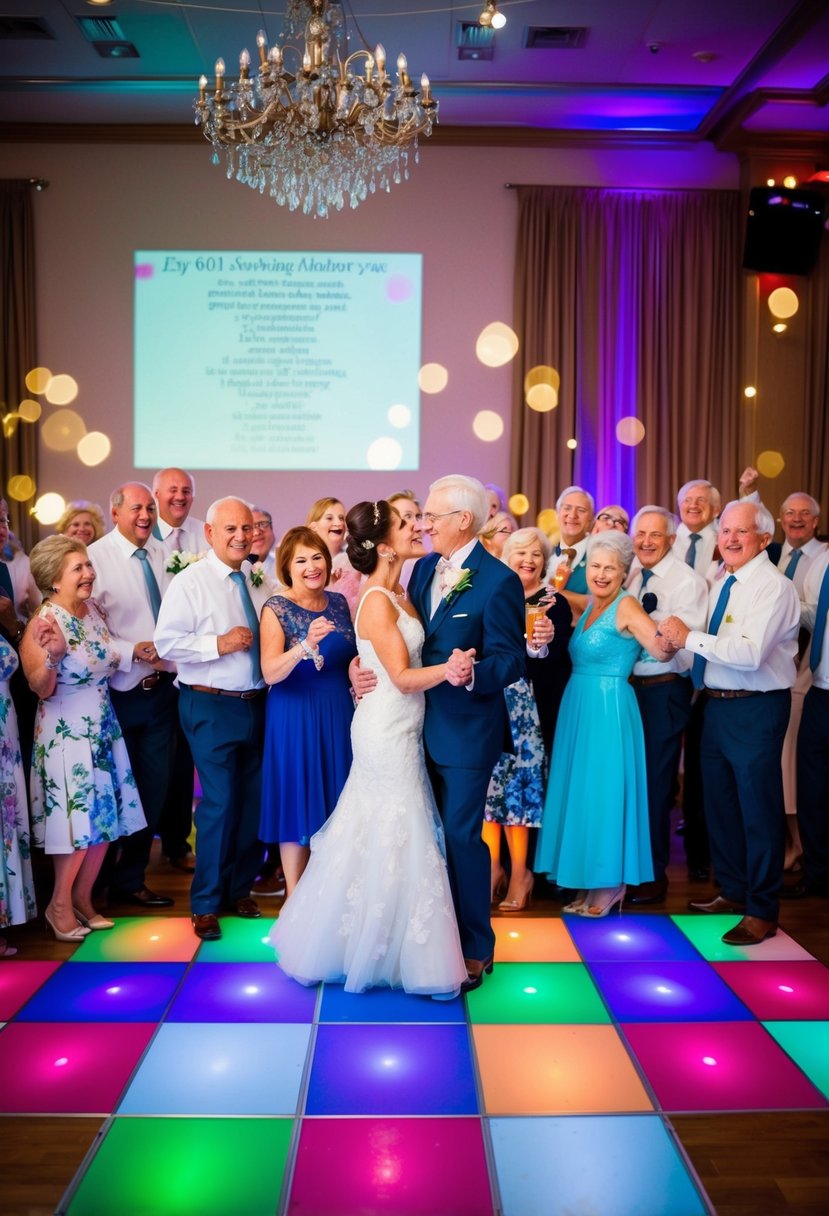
455	582
180	559
257	574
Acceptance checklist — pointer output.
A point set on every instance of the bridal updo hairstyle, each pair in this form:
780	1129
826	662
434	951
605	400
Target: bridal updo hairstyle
368	524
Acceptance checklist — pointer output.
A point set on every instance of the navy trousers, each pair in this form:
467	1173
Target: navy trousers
813	789
742	744
665	710
226	736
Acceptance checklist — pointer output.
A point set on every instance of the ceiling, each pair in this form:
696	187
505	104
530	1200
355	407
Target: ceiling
741	73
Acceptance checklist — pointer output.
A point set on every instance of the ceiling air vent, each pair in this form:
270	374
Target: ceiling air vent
24	27
555	37
107	37
475	41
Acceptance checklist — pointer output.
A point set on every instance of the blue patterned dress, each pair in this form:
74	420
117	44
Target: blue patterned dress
307	726
83	790
17	892
595	831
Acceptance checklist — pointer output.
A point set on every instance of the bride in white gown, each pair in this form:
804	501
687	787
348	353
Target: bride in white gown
374	908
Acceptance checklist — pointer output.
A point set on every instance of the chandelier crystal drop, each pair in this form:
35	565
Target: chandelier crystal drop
317	136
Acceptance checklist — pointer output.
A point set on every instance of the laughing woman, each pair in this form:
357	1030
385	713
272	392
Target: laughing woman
83	790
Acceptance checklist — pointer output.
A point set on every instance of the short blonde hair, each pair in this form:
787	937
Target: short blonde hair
527	536
319	508
47	560
82	507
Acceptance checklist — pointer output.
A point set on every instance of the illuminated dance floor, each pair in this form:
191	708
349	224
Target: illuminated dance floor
224	1088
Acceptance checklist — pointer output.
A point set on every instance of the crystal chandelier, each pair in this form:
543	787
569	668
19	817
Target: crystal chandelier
319	136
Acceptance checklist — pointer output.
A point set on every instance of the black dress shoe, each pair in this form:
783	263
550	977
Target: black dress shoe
248	908
206	926
145	898
647	893
475	969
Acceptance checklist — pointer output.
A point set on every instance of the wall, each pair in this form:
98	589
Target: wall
104	201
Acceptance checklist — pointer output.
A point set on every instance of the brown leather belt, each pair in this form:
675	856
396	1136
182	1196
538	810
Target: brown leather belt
729	694
667	677
249	694
152	681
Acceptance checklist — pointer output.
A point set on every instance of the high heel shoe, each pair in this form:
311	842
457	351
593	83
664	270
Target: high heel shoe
498	887
94	922
75	935
603	900
575	906
518	905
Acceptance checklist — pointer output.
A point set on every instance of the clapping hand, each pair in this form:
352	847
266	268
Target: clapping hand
47	635
459	667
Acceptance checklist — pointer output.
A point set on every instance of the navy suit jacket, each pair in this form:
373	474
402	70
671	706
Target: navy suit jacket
466	729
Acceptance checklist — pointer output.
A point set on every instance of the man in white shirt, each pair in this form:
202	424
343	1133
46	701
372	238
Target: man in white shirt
813	742
664	587
209	627
696	537
746	664
130	581
263	549
576	512
176	530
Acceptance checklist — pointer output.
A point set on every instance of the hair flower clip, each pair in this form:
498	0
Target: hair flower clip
367	544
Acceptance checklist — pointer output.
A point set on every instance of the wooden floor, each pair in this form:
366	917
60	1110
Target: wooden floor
766	1164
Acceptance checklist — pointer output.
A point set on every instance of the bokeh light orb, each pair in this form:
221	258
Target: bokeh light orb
432	378
518	504
770	464
497	344
488	425
37	379
749	391
572	444
783	303
61	390
20	487
29	410
384	453
63	430
630	431
94	448
49	508
542	373
547	520
542	398
399	415
779	327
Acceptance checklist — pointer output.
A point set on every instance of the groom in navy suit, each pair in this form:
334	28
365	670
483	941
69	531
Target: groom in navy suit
472	609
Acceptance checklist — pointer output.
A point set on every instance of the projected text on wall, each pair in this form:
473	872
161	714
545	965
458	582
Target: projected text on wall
277	360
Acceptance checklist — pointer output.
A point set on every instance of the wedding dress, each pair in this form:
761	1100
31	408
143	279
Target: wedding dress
373	907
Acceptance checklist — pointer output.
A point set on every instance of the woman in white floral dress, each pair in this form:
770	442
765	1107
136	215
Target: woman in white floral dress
17	892
83	790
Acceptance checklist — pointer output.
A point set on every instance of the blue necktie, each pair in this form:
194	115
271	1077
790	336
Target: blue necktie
647	598
698	669
793	560
820	621
149	578
253	624
691	555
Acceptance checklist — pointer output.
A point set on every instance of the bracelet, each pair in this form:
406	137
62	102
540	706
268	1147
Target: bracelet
50	666
314	655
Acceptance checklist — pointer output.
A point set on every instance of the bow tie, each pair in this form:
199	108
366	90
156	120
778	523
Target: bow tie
443	564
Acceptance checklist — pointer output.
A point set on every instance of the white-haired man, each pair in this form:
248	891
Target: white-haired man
576	512
745	662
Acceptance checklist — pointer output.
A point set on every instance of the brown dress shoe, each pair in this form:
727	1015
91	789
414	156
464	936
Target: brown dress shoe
248	908
206	926
750	932
717	905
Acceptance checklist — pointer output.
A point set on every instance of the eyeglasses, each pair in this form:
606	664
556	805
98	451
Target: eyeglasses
261	525
429	517
616	520
410	515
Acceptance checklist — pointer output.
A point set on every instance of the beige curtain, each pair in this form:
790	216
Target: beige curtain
634	297
816	421
18	453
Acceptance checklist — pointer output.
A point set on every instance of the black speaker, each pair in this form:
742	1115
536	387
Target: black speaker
783	230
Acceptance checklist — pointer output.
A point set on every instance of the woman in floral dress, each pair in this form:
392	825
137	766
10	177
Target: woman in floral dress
83	790
17	892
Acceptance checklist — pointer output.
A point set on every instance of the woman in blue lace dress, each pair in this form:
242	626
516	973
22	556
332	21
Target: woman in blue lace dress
595	835
307	643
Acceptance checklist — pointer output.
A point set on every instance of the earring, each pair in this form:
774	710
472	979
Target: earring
392	556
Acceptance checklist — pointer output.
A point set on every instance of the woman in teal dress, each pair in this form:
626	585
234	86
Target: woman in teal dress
595	835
